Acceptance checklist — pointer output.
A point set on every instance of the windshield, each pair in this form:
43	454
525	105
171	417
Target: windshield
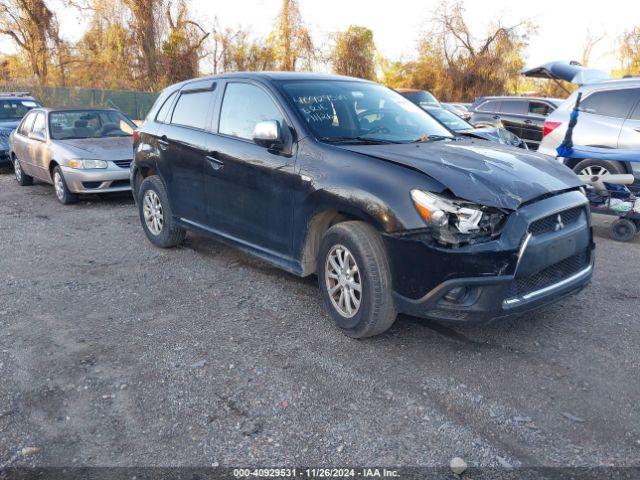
449	120
89	124
347	111
15	109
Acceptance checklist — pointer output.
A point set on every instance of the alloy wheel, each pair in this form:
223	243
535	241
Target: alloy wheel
153	212
58	183
343	281
593	170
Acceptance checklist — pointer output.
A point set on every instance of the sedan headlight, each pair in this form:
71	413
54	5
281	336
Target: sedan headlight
87	164
456	221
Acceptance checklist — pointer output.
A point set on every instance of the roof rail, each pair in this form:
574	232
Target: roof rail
15	94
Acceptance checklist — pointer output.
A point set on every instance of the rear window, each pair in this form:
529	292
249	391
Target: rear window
192	109
540	108
15	109
611	103
514	106
490	106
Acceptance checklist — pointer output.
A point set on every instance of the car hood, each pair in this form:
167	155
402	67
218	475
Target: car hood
108	148
488	174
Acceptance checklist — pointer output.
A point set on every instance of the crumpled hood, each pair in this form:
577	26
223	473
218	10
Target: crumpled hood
108	148
488	174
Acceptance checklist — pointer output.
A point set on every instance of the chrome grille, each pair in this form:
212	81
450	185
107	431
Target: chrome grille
123	163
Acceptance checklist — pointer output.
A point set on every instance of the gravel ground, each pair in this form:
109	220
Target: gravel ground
114	353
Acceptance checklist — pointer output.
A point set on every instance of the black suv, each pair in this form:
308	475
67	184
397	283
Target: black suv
348	180
522	116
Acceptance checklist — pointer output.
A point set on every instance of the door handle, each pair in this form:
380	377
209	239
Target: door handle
528	122
637	129
163	143
214	162
496	117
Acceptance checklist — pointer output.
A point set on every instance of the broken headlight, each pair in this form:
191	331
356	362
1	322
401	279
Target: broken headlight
456	221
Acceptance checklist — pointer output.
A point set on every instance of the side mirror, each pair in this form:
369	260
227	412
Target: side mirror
37	136
268	134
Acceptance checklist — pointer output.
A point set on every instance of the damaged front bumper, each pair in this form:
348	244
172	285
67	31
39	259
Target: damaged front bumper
545	253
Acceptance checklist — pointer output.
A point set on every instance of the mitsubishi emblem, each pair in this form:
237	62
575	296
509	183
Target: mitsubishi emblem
560	224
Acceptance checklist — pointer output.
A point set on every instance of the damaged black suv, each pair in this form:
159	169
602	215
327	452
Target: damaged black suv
348	180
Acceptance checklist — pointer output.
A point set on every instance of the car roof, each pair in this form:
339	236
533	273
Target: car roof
17	97
614	82
77	109
273	76
555	101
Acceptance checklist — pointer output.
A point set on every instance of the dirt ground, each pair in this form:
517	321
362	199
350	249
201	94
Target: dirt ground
116	353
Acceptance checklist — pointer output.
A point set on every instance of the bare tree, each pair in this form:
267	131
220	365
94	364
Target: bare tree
590	42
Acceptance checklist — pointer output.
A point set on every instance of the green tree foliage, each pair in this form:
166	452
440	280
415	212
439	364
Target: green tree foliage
354	53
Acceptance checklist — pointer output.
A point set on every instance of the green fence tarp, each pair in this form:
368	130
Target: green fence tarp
133	104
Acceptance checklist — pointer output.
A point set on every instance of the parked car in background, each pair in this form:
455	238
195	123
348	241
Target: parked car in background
78	150
609	117
461	127
422	98
347	179
13	106
460	109
522	116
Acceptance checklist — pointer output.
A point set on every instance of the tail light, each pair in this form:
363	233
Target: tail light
549	127
136	132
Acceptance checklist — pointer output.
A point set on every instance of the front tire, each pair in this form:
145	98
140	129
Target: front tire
598	167
63	194
156	215
22	178
355	280
623	230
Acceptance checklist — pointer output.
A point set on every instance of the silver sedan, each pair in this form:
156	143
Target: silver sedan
79	151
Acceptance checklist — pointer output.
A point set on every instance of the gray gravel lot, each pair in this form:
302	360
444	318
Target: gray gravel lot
113	352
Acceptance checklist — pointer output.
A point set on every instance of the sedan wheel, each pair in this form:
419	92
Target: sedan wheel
153	213
22	178
58	183
343	281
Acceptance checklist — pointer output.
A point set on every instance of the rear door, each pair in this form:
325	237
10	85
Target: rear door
602	115
630	134
533	125
513	114
487	113
183	150
21	142
250	187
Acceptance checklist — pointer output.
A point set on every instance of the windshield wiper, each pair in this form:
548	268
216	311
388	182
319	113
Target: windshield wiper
433	138
372	141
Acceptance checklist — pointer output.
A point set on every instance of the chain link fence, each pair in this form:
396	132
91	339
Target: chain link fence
133	104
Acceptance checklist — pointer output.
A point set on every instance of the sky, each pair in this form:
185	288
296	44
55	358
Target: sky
563	24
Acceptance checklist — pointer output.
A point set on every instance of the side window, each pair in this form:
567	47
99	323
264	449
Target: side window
40	125
27	125
611	103
243	106
518	107
164	110
540	108
191	110
636	113
490	106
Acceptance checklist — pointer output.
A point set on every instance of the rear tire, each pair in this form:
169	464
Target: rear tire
156	215
63	194
22	178
364	266
598	167
623	230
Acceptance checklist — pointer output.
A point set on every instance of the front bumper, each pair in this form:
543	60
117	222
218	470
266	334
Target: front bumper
535	262
112	179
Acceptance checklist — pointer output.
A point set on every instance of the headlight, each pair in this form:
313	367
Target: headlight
456	221
87	164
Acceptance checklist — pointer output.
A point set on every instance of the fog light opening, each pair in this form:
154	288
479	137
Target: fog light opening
456	295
